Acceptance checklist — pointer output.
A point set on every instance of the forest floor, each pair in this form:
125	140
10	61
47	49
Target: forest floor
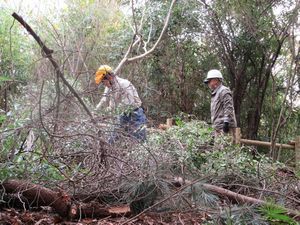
14	217
176	178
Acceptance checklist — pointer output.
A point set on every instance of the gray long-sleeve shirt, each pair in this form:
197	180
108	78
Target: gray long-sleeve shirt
221	108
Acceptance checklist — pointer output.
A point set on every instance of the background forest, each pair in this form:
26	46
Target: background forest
50	138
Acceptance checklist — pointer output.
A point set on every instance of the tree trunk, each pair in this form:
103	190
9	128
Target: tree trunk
239	87
253	119
186	104
36	195
39	196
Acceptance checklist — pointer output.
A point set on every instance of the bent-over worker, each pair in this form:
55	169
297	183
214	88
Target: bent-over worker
121	95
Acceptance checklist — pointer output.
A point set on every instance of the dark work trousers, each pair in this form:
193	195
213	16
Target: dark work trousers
132	124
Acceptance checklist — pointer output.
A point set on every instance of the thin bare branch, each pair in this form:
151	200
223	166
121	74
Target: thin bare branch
48	54
126	59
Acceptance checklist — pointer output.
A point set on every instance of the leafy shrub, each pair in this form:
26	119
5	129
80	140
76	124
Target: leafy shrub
276	215
190	145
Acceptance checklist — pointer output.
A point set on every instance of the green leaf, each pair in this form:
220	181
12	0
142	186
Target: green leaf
4	78
2	118
275	213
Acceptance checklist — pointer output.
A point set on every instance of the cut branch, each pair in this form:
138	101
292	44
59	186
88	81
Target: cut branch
244	199
39	196
48	54
233	195
61	202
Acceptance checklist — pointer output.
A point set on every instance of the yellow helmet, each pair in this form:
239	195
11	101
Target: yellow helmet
102	72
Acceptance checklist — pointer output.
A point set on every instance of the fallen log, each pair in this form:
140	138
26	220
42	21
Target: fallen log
96	210
239	198
61	202
232	195
37	195
244	199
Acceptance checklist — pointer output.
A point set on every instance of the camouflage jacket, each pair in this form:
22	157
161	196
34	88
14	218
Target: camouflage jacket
221	108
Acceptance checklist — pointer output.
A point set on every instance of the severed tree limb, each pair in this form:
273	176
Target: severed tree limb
244	199
265	190
232	195
62	203
38	195
96	210
48	54
218	190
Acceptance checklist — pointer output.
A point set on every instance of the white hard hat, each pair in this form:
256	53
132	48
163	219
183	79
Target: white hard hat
213	74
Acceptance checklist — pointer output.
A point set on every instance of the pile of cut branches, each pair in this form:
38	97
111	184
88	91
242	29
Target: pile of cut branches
176	170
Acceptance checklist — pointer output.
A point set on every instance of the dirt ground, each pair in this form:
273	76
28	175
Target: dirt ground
14	217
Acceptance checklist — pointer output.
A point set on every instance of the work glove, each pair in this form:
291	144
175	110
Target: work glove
226	127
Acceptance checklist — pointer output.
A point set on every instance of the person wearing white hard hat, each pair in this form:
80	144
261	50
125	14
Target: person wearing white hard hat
222	109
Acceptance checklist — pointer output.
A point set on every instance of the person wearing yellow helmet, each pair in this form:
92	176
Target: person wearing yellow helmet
104	72
120	94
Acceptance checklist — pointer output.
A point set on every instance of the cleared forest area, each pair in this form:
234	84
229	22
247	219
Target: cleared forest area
57	164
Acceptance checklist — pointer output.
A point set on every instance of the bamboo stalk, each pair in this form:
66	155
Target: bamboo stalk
169	122
297	152
237	136
264	143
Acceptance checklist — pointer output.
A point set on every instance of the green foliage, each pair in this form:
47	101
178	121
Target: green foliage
201	197
2	118
189	143
179	122
96	30
234	160
242	36
142	195
184	141
15	53
16	161
15	60
29	165
4	78
185	151
17	158
239	216
178	86
276	215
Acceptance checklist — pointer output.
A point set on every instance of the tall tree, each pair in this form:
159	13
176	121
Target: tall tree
15	59
248	37
175	71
